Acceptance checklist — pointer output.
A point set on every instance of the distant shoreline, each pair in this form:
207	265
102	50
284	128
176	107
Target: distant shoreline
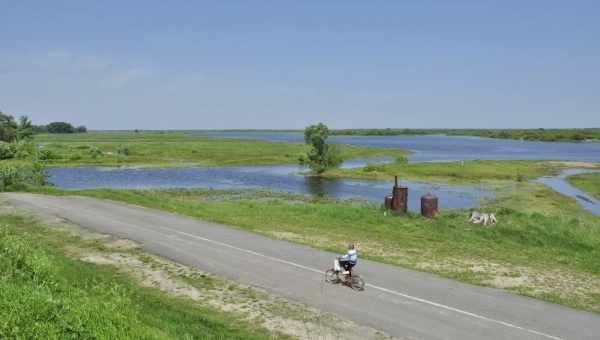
580	135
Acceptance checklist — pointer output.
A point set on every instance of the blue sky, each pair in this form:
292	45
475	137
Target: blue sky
287	64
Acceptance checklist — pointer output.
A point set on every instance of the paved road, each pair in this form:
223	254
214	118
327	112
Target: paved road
398	301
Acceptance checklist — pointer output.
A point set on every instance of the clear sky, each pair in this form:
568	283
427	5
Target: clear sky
286	64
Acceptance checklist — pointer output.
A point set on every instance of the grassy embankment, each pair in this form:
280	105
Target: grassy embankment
178	149
587	182
526	134
47	295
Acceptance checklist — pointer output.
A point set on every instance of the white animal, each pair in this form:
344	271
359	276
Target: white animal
482	218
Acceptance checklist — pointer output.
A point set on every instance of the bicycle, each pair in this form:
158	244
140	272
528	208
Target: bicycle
351	279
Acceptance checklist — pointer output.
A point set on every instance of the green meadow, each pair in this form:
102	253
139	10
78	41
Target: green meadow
587	182
120	148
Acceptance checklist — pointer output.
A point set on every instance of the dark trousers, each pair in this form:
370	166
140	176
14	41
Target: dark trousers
347	265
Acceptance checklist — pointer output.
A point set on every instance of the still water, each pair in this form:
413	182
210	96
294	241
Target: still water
560	184
432	148
286	178
278	177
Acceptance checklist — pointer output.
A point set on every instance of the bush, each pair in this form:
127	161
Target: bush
9	176
95	152
46	155
372	167
6	151
24	149
17	176
123	150
401	159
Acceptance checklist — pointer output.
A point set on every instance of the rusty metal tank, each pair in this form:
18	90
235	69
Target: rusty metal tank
387	203
399	198
429	205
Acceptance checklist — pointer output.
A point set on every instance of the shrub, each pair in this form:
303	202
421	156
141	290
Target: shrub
16	176
401	159
46	155
24	149
123	150
9	176
6	151
95	152
372	167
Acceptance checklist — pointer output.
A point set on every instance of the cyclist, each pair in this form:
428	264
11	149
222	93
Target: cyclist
349	260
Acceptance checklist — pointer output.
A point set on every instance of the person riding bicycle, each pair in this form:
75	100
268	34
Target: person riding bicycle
349	260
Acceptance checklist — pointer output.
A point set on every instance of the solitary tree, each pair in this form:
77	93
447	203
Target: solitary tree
322	156
60	127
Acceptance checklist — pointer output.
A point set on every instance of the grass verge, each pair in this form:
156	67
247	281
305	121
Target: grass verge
47	295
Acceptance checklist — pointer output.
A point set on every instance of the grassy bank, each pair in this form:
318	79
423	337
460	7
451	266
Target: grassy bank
544	246
178	149
587	182
525	134
453	172
47	295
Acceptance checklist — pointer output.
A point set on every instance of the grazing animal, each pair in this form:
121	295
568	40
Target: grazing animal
482	218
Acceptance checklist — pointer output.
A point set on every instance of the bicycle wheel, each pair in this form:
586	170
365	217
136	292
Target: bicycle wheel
331	276
357	283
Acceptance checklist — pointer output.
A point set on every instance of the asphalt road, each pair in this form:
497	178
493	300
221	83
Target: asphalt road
400	302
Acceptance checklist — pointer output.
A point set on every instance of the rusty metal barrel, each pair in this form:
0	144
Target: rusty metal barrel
387	203
399	198
429	205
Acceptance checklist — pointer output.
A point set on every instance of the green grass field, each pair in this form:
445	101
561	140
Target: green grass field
587	182
178	149
545	245
47	295
453	172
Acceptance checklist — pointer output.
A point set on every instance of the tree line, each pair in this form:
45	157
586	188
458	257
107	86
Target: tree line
540	134
12	129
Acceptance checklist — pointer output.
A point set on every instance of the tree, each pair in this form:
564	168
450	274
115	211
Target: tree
24	128
8	128
81	129
322	156
60	127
